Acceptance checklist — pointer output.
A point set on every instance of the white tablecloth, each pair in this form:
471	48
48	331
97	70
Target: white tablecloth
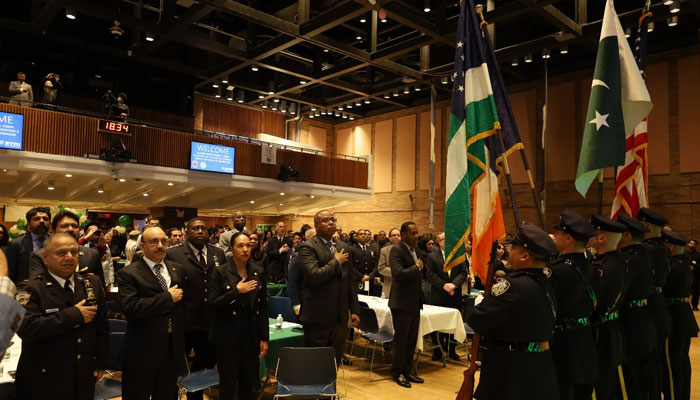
432	318
9	362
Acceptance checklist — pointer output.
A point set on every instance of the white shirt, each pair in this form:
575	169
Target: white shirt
163	270
62	281
196	251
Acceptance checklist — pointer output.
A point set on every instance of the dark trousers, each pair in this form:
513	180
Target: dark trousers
636	381
156	384
568	391
677	367
695	288
238	369
322	335
655	370
203	356
405	335
608	380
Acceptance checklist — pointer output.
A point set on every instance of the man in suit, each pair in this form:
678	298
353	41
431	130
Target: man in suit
21	93
693	257
19	250
383	267
277	248
295	276
446	290
198	259
151	294
239	222
328	291
65	334
88	259
365	258
175	236
405	302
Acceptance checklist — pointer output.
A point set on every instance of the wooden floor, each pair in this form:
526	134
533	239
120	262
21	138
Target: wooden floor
440	383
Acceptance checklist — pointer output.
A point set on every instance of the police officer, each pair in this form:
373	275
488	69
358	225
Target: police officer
693	257
573	347
364	258
677	291
638	328
518	320
660	262
64	333
610	269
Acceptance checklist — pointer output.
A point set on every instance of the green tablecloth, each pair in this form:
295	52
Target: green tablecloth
278	338
276	289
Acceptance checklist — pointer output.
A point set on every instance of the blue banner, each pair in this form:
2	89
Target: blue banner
212	158
11	130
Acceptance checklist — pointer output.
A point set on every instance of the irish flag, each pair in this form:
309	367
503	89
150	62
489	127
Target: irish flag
479	108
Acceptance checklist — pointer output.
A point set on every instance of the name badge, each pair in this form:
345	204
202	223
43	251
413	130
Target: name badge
51	310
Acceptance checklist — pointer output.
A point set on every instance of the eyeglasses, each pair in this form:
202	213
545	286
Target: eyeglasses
329	219
154	242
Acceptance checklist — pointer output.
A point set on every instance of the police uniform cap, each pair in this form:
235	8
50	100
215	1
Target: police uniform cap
652	216
633	225
575	225
534	239
603	223
674	237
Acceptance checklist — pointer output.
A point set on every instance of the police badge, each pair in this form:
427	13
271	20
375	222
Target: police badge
23	297
500	287
547	271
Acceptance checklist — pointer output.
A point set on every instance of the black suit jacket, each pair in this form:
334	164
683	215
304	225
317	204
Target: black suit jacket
147	308
328	288
231	313
364	261
87	257
197	313
17	253
275	259
60	351
406	294
438	278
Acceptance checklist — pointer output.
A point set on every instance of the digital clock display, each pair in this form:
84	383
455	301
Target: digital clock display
114	127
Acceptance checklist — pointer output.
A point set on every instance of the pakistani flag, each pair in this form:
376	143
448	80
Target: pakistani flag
479	107
619	101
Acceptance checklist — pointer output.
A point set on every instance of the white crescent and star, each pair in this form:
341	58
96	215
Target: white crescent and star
598	82
600	120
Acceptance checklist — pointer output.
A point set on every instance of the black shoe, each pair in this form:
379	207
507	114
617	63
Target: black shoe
437	355
346	361
454	356
401	381
695	308
413	378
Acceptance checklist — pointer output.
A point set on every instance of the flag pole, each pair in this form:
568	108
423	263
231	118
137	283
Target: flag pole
433	138
600	191
509	179
535	197
543	174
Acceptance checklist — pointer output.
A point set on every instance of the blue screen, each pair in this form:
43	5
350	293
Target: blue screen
11	129
211	157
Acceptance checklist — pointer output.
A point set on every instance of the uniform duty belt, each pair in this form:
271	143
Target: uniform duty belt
658	289
638	303
573	324
677	300
610	316
514	345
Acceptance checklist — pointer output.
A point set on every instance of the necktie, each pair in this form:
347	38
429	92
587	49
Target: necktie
330	246
67	288
164	285
413	253
202	259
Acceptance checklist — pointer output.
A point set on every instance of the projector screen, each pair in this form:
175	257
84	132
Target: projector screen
11	130
212	158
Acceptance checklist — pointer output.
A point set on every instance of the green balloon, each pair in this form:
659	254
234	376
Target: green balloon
84	224
124	220
21	224
79	215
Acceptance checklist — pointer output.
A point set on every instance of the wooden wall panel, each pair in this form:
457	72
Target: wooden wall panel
658	150
317	137
561	150
344	141
363	140
406	153
242	121
688	121
74	135
523	105
424	150
383	157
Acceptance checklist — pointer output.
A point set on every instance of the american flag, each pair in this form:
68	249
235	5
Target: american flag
631	182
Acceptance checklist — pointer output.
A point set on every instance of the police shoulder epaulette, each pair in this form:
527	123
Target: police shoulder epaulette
547	272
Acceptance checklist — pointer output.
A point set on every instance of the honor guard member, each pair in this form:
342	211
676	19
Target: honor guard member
573	347
660	265
364	258
677	291
517	321
610	270
637	326
65	334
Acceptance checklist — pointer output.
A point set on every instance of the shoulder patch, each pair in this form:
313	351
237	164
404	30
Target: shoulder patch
22	297
547	272
500	287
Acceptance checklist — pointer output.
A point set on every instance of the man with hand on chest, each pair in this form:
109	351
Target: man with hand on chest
65	333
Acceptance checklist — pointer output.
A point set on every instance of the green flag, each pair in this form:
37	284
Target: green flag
619	100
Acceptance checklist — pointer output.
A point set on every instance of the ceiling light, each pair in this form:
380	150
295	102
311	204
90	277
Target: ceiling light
672	20
302	81
264	104
514	62
336	113
387	95
340	107
51	185
628	32
225	80
312	196
230	87
274	106
367	101
358	103
100	189
407	90
122	180
254	68
311	116
323	112
241	96
358	37
170	184
545	54
325	50
444	80
417	88
349	105
270	87
150	38
426	6
383	19
98	76
229	95
293	108
252	202
564	49
362	20
261	96
313	108
281	193
528	58
145	195
668	2
396	93
317	114
217	93
70	14
352	118
283	106
650	27
675	7
345	116
281	204
276	100
215	85
69	175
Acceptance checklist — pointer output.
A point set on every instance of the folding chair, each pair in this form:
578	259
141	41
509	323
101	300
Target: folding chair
199	380
369	330
306	373
281	305
108	388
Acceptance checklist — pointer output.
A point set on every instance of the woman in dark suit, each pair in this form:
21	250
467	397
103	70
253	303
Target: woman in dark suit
239	331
